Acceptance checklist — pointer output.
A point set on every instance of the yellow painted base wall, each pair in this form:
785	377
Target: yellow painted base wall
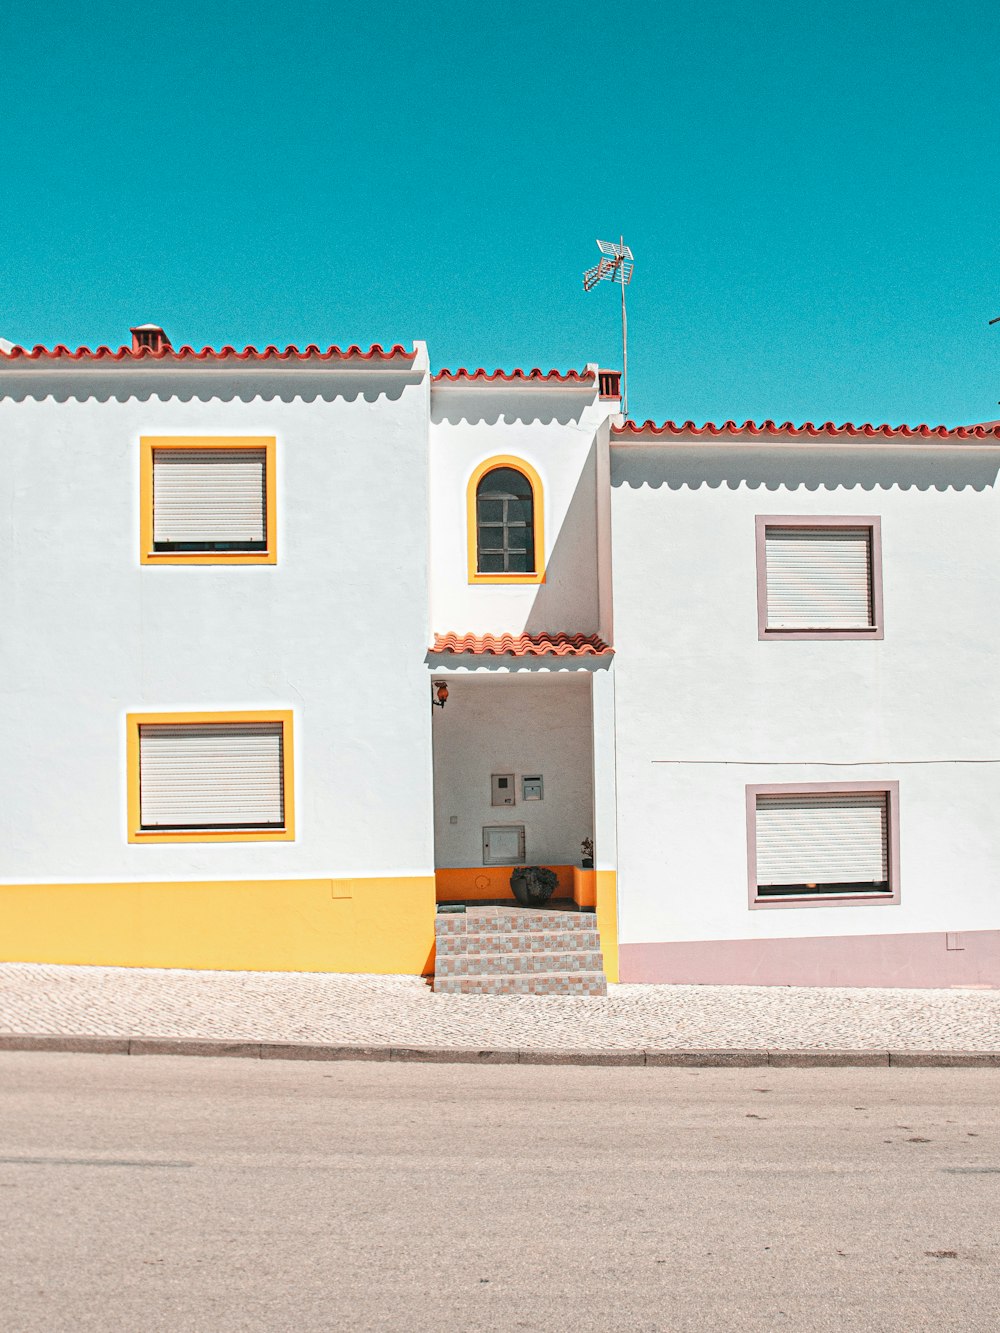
479	883
607	920
305	925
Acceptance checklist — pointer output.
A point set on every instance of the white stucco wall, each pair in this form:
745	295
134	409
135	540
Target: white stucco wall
555	430
527	722
704	708
336	631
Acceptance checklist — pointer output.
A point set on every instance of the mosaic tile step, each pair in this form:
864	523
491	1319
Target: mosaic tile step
520	941
451	923
494	950
518	964
552	983
522	918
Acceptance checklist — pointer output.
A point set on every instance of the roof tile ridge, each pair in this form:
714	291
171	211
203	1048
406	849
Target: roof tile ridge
808	428
186	352
517	375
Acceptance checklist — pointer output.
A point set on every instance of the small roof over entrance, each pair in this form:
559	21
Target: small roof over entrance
522	645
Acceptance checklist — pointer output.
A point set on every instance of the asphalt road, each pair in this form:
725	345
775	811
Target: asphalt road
146	1194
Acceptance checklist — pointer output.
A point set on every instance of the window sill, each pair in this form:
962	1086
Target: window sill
829	900
209	558
212	835
527	579
819	634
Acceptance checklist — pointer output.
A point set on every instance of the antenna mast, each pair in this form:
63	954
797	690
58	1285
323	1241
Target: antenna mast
616	265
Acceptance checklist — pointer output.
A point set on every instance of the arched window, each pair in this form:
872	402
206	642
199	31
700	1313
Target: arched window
505	523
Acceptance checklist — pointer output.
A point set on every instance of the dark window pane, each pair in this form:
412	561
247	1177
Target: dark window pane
505	481
209	546
814	890
504	520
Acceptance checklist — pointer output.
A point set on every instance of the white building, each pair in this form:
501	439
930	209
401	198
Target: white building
752	664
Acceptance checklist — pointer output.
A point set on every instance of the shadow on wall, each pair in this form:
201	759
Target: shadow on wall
503	665
486	407
922	468
128	386
567	602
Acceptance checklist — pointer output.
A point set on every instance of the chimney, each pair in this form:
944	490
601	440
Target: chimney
610	383
149	337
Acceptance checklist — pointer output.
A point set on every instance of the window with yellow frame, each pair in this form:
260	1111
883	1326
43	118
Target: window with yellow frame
207	500
506	522
210	777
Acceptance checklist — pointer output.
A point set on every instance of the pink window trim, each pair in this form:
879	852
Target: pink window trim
871	521
891	790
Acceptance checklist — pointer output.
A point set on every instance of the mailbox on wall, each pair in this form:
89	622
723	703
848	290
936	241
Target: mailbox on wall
502	788
531	788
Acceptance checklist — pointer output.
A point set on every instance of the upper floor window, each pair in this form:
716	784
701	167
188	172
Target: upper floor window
505	523
819	577
208	500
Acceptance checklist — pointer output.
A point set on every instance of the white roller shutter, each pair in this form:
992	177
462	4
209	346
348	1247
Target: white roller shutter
822	839
215	775
209	496
819	578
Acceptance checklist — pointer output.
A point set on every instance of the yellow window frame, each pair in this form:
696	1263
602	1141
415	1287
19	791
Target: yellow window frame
147	444
538	518
137	834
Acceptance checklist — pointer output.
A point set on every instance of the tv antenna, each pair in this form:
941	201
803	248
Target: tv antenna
616	265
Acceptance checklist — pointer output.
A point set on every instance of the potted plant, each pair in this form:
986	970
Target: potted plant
587	857
533	885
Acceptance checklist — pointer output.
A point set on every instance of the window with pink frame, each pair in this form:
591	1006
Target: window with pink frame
819	577
812	843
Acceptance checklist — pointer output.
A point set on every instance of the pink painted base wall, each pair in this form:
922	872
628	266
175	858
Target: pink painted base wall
923	960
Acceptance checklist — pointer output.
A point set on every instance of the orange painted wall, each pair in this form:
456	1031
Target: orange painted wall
479	883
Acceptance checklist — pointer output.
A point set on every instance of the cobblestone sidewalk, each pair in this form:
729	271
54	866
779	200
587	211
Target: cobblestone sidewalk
374	1010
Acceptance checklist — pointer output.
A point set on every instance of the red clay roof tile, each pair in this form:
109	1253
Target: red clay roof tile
522	645
126	356
750	429
535	376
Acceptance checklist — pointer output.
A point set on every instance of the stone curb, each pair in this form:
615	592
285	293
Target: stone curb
678	1058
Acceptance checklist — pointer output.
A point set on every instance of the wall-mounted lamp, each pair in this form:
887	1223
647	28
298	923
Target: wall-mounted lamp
441	690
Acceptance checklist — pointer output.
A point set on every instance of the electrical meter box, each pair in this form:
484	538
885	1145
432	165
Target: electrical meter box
502	788
531	788
503	845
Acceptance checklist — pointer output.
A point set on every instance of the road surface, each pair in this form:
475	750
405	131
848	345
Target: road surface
182	1194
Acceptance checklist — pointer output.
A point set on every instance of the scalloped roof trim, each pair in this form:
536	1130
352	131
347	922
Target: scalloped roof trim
522	645
270	353
827	430
536	376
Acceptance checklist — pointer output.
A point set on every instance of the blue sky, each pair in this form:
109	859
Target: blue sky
811	190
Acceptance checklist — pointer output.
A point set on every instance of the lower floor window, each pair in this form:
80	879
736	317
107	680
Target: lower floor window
821	843
211	778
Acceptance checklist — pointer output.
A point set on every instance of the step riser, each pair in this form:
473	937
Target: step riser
587	984
485	919
518	964
546	941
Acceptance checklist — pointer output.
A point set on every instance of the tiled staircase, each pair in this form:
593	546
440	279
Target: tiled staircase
518	951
